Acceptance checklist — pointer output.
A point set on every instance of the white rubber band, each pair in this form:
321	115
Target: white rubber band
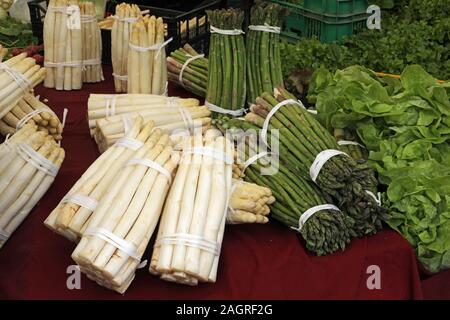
210	152
119	77
254	158
172	102
3	235
377	197
73	15
74	64
233	32
127	20
92	62
127	123
321	158
153	165
88	18
346	143
157	46
272	112
265	28
308	213
187	119
214	108
81	200
23	82
166	89
190	240
30	115
37	160
65	113
192	58
129	143
120	243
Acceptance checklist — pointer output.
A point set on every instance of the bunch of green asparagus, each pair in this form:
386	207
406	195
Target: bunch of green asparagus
263	48
194	75
350	183
226	86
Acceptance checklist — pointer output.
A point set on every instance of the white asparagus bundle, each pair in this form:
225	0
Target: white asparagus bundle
18	76
30	110
106	105
72	215
126	14
92	44
63	45
29	162
147	70
176	121
122	224
249	203
190	233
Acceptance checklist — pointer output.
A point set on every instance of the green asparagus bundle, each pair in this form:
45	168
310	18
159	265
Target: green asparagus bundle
226	87
303	142
325	230
347	143
187	68
263	48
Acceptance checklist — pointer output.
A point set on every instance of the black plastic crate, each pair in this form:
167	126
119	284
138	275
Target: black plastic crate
37	14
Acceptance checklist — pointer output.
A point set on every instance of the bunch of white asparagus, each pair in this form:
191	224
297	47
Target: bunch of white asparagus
102	106
249	203
30	110
190	233
92	44
147	70
110	115
29	162
121	226
73	214
126	14
63	45
18	76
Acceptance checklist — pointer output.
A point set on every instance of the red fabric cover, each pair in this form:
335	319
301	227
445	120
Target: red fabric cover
437	287
257	261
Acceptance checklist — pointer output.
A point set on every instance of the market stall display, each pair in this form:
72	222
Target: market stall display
63	45
30	160
189	69
30	110
92	44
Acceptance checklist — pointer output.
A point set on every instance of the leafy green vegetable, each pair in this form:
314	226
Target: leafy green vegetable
14	34
405	125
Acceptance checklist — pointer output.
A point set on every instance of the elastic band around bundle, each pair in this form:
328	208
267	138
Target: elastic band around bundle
190	240
346	143
37	160
119	77
81	200
214	108
255	158
3	235
130	143
233	32
321	158
120	243
127	20
74	64
74	16
88	18
187	119
23	82
153	165
265	28
308	213
157	46
192	58
210	152
272	112
30	115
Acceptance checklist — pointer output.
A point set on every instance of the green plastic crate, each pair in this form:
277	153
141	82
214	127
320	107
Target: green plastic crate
336	8
302	22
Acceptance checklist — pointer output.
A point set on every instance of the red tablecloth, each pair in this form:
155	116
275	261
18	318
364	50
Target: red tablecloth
257	261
